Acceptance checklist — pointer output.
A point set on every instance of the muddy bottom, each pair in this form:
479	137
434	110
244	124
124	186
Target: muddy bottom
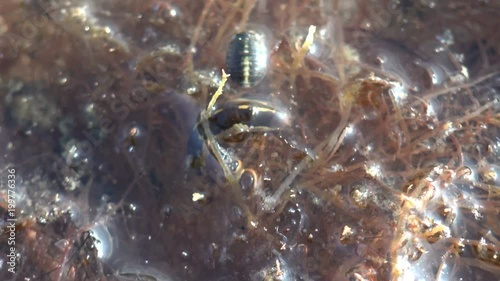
351	141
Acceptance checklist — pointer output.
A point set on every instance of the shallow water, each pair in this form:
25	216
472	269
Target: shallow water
384	165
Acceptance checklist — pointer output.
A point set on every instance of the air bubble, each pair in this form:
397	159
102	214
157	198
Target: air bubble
248	179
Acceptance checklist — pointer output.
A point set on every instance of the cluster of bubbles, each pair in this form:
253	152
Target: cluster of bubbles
371	151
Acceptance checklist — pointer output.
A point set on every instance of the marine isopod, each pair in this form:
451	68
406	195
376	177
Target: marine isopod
247	58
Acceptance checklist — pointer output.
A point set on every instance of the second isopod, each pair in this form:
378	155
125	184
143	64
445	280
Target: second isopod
247	58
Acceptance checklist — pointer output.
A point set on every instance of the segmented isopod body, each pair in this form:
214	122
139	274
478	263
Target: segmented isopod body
252	113
247	58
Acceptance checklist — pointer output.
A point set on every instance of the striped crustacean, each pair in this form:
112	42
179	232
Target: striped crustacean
233	120
247	58
241	116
